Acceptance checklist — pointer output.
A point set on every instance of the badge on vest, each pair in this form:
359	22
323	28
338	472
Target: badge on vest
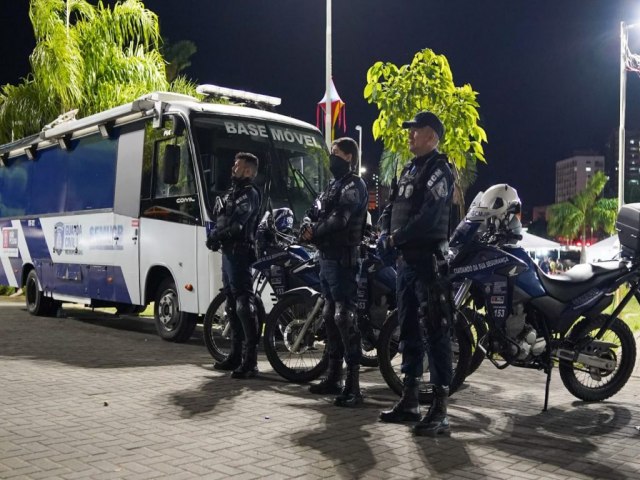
408	191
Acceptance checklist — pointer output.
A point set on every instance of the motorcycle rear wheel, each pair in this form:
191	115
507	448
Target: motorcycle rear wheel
390	358
282	328
593	384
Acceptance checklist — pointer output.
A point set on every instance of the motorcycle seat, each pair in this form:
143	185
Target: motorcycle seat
580	279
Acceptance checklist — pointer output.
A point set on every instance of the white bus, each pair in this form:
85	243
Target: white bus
111	210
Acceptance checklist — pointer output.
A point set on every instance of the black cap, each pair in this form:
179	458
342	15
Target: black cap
426	119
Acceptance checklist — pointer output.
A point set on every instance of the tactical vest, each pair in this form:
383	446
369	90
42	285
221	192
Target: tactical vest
330	199
229	203
410	195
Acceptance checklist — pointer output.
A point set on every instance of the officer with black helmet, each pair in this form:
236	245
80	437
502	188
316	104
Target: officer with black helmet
337	231
416	223
234	233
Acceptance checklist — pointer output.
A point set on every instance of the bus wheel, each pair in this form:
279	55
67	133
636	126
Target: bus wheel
37	303
172	324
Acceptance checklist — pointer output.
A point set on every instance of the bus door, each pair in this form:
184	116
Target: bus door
170	210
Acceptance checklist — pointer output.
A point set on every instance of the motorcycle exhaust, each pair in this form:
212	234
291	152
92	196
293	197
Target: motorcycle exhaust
585	359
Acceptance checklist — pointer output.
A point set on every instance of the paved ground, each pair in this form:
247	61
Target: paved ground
94	396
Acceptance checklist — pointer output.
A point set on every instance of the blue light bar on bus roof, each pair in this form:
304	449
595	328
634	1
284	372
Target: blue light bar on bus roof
214	90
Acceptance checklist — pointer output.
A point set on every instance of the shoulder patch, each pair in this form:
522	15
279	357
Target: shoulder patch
441	189
349	195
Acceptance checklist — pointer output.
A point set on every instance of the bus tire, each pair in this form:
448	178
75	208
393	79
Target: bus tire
37	303
172	324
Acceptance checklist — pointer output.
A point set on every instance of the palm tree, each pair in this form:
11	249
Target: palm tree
88	58
177	56
584	211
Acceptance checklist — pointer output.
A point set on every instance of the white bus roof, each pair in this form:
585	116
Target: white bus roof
152	104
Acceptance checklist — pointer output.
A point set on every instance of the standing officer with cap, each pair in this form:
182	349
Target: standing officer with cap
234	233
416	222
337	232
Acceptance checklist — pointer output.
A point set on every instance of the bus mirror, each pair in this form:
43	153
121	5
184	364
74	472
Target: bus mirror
178	126
171	164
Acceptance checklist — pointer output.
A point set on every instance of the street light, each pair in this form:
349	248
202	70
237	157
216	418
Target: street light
624	49
359	129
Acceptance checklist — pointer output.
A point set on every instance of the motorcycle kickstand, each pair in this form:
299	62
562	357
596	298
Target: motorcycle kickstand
546	390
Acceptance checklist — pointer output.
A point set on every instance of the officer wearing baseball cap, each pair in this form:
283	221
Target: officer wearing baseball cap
426	119
416	223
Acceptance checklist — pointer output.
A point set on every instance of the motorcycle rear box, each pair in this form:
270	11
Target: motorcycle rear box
628	226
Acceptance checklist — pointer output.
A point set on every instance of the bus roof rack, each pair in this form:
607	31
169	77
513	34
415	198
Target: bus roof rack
257	99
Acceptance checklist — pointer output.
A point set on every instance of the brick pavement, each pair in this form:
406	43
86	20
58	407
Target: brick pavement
95	396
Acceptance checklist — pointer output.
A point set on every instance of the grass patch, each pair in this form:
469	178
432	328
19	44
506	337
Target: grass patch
631	313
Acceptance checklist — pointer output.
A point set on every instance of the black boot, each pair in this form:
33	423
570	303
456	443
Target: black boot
408	408
249	366
435	422
350	395
246	312
233	360
332	385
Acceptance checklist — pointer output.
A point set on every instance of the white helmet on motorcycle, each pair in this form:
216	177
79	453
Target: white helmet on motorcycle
499	205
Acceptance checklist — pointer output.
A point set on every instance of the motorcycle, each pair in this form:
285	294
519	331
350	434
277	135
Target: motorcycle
283	265
535	320
279	266
390	359
294	333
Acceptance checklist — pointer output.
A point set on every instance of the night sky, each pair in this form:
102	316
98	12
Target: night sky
547	71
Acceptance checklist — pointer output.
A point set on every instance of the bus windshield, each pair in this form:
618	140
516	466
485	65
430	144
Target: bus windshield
293	161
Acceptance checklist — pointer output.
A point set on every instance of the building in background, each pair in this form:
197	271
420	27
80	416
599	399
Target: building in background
573	173
632	166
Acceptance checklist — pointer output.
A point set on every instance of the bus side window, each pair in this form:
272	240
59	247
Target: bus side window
156	141
186	183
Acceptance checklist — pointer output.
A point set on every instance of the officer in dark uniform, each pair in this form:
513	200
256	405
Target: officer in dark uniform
337	230
416	223
234	233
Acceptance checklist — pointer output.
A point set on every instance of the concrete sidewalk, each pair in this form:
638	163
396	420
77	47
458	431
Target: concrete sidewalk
96	396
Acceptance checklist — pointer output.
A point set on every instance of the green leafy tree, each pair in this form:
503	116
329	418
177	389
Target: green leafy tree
88	58
585	211
424	84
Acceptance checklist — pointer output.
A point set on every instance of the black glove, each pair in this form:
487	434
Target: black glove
304	228
213	242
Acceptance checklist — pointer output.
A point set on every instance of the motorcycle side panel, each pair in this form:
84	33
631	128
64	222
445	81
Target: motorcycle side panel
528	280
559	317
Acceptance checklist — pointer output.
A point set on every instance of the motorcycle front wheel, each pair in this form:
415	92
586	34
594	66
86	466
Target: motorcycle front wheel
369	341
478	329
369	356
590	383
284	325
391	360
216	329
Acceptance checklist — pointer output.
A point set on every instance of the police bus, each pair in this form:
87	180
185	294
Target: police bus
112	210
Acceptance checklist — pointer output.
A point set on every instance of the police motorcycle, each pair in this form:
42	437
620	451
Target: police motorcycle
390	357
282	264
294	332
535	320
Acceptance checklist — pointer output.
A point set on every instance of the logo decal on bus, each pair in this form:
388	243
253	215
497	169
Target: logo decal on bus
279	134
10	242
66	239
105	237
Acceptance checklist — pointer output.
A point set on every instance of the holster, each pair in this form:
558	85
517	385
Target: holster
346	256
